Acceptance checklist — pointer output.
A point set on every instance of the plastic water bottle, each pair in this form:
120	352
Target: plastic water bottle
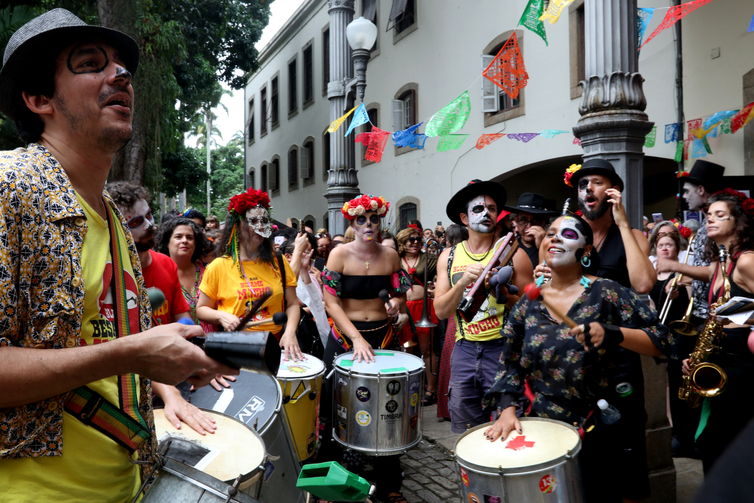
609	414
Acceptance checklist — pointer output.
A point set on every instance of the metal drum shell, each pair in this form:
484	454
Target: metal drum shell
524	483
370	426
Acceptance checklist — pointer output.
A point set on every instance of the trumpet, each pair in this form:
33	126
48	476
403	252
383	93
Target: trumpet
674	286
426	321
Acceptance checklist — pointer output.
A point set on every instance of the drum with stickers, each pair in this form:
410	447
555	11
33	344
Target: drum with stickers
301	382
539	465
257	400
203	467
378	405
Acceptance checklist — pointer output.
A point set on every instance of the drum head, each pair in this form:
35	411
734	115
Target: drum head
252	399
385	362
541	440
238	449
309	367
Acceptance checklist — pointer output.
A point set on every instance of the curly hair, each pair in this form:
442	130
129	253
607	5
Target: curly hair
125	194
165	233
402	237
742	234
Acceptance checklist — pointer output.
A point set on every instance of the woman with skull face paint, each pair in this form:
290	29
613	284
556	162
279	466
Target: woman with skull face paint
355	274
568	370
250	266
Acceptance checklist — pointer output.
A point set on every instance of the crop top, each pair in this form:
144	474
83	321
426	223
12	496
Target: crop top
364	287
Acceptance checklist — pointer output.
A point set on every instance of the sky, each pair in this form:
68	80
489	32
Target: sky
230	123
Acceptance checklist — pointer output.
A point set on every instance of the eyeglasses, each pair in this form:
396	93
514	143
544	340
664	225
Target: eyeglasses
362	219
320	236
414	239
136	222
523	222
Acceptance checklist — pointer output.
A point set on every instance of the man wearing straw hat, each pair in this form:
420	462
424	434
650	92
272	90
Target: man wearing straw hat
75	411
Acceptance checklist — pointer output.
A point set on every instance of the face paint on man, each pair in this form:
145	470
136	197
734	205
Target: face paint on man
566	243
589	202
141	223
259	221
481	219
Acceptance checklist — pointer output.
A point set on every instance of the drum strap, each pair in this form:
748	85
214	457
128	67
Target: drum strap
123	423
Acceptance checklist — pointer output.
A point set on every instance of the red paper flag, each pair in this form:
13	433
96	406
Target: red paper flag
507	70
486	139
741	118
519	443
377	141
674	15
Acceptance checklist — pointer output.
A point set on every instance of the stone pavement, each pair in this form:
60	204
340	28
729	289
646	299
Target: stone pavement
431	475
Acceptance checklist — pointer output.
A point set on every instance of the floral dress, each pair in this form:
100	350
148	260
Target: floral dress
566	380
192	297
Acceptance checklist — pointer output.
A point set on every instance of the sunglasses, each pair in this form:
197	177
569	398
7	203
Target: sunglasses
414	239
136	222
362	219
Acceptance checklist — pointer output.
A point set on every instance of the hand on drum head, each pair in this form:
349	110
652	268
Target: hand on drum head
506	423
289	343
179	410
362	351
220	381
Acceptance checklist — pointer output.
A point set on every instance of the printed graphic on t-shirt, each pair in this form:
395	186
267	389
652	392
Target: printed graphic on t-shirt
486	311
258	288
103	329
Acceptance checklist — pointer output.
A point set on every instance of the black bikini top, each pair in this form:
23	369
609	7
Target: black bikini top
364	287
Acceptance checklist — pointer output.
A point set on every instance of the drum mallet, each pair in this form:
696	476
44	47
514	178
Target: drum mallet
278	319
533	292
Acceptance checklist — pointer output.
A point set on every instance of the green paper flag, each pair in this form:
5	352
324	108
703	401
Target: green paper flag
649	141
706	145
451	142
451	118
679	151
530	18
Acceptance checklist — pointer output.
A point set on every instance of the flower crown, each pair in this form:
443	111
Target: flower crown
241	203
569	173
684	231
682	174
362	204
414	226
746	202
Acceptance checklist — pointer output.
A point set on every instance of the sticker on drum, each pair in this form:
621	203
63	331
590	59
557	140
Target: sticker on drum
464	477
363	393
473	498
393	388
492	499
414	399
342	412
548	483
391	406
363	418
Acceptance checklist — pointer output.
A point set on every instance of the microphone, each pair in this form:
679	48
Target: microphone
384	296
156	297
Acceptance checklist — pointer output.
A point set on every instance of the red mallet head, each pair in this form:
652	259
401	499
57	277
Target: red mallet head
532	291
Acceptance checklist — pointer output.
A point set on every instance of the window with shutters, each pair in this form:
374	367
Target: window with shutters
370	10
265	114
250	178
373	111
325	60
263	174
325	154
402	18
577	47
292	87
406	212
250	123
274	109
497	106
273	176
308	74
405	111
293	168
307	162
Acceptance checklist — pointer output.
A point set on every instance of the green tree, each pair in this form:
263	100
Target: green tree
226	180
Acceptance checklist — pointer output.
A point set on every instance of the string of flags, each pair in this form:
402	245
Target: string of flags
508	72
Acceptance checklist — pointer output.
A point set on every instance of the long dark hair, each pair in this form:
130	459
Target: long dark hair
162	240
742	235
232	232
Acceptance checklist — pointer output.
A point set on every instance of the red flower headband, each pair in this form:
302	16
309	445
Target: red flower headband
746	202
573	168
414	226
362	204
241	203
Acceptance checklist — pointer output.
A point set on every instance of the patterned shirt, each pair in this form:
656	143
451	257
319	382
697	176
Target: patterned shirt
700	289
42	229
565	379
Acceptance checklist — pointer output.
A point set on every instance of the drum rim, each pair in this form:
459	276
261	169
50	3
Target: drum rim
304	377
204	478
350	371
244	477
520	469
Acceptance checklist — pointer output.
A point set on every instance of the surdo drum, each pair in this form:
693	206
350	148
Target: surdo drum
378	405
202	468
257	400
540	465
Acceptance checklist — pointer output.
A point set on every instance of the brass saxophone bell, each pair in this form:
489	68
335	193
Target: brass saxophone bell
684	327
709	379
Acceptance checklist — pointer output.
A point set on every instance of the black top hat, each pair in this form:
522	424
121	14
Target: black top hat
458	202
50	32
596	166
707	174
529	202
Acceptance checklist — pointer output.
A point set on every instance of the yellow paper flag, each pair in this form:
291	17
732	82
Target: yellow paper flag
334	125
552	14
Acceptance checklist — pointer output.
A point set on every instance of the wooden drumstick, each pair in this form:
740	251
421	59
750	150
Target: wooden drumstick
533	292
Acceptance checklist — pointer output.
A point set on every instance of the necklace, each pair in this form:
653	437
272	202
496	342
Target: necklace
411	269
483	257
598	245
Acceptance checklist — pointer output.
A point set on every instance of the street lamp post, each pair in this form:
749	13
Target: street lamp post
345	35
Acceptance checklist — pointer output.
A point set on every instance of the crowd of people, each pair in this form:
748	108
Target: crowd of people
78	257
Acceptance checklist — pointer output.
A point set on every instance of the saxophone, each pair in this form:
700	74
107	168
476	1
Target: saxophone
707	379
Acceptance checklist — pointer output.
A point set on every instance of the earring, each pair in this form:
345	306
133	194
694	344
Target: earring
586	261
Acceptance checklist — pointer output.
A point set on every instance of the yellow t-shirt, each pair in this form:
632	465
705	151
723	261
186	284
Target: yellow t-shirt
93	468
224	283
489	319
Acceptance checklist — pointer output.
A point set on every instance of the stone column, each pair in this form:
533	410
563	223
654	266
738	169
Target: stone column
613	126
342	182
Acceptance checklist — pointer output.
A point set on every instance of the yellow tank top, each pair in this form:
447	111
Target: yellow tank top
489	319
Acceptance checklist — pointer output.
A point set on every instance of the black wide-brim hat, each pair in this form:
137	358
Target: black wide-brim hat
531	202
52	31
597	167
458	203
707	174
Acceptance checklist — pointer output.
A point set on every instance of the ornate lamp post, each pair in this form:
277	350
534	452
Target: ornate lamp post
345	36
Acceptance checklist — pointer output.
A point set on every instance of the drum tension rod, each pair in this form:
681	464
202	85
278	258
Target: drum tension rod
233	489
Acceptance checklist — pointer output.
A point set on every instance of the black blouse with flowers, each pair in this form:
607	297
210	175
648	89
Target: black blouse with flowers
565	379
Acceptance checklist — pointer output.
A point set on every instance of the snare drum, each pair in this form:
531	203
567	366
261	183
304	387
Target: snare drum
257	400
233	450
378	404
539	465
301	382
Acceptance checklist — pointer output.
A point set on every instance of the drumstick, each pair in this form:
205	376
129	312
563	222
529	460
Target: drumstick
278	319
255	306
533	292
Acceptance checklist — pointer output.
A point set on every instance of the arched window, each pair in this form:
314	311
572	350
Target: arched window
406	212
307	161
293	168
263	177
325	154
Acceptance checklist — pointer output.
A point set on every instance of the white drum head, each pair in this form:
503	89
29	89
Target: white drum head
303	369
241	450
385	362
540	441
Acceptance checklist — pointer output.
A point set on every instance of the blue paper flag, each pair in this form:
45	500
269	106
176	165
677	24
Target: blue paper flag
407	137
751	26
717	118
697	149
360	117
672	132
551	133
644	15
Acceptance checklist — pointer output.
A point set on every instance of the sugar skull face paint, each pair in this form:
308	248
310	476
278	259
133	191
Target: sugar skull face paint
482	212
367	226
259	220
562	242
